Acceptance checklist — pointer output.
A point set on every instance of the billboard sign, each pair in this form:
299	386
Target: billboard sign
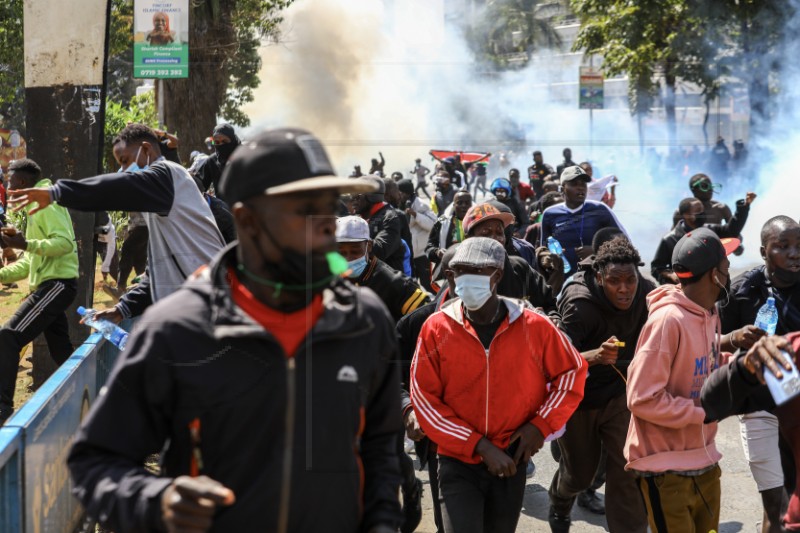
591	89
161	39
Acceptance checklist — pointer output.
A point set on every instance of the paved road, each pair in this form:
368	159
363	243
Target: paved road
741	505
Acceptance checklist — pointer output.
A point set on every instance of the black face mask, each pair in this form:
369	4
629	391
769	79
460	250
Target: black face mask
299	272
785	277
224	151
725	292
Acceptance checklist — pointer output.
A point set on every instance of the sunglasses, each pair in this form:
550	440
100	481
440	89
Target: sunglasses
706	186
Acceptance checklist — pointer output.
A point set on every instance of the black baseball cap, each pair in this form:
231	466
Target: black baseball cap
283	161
699	251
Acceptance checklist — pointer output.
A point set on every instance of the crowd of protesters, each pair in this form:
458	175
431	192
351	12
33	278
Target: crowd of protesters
439	319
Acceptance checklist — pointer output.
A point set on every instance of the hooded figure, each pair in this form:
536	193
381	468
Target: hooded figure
225	141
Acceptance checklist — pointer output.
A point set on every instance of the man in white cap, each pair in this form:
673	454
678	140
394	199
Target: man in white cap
490	380
399	293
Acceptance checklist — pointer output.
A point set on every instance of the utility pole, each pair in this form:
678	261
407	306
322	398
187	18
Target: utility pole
66	51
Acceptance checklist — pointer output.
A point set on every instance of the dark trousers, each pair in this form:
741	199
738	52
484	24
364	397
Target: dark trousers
588	432
41	312
407	473
424	186
422	268
133	255
474	501
433	476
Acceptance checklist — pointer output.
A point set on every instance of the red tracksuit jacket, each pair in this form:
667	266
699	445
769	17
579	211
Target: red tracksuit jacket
462	392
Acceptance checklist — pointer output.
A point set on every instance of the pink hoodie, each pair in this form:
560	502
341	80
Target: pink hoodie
674	356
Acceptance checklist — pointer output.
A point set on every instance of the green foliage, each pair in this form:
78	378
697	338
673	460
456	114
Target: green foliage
510	30
141	109
17	219
12	86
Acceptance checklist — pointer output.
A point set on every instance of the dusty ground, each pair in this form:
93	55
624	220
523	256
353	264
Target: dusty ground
9	301
741	504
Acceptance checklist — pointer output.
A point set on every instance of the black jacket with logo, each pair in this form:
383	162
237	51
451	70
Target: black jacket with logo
319	443
398	292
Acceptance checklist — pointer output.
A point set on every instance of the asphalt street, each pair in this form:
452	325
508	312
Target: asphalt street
741	504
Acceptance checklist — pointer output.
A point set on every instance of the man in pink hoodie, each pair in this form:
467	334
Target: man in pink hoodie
668	446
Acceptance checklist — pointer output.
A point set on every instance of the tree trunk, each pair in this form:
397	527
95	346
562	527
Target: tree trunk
191	105
669	107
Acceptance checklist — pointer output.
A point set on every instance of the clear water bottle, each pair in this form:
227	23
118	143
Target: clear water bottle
555	247
767	317
112	332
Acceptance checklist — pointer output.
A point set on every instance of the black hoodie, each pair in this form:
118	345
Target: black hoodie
318	442
589	319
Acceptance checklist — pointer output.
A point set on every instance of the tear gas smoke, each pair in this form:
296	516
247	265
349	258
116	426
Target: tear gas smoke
393	77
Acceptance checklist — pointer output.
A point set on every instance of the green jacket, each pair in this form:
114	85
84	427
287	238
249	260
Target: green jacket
52	252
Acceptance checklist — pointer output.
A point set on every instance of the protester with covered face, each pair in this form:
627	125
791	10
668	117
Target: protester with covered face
399	293
182	233
692	215
50	263
714	212
225	142
253	436
779	278
385	226
603	311
575	222
669	446
519	279
448	229
489	405
503	191
445	193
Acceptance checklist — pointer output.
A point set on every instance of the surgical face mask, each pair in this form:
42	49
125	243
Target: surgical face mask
474	290
357	266
134	167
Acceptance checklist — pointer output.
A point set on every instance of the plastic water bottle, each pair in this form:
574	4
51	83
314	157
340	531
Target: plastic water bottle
112	332
555	247
767	317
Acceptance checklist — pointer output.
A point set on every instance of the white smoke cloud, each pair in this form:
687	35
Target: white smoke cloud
393	77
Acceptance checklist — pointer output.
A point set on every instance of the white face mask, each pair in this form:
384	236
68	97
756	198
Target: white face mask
133	167
474	290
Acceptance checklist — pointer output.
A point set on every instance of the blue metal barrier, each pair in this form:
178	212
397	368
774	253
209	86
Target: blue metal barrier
35	489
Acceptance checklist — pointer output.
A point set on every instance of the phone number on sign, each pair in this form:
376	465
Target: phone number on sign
160	72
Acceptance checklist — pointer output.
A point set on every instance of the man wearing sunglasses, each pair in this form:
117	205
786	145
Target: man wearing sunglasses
703	189
693	217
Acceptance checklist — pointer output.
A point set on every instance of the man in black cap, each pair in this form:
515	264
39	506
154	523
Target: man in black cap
225	142
385	226
669	446
252	436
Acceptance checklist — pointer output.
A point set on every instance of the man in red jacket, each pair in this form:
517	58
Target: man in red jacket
490	380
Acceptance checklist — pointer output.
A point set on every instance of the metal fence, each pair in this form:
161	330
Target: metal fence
35	489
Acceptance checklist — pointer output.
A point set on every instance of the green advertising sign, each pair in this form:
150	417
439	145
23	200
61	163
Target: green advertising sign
161	39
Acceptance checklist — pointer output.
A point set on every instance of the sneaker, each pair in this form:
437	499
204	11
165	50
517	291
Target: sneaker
412	508
558	523
592	502
530	470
